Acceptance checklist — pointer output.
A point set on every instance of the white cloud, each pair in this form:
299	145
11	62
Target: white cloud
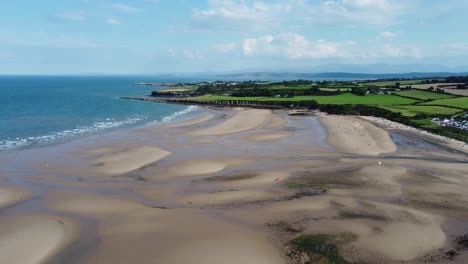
252	15
172	52
113	21
4	56
295	46
387	35
357	12
238	15
72	16
125	8
45	40
225	48
387	51
455	48
193	54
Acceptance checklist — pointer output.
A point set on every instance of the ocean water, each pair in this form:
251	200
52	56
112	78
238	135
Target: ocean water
40	110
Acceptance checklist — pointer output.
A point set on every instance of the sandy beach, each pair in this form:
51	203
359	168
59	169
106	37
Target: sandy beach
351	135
240	186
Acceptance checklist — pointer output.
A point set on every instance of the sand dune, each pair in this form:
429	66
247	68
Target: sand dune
128	160
11	195
242	120
191	122
34	239
356	136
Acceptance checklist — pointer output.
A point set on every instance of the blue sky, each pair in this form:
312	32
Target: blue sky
176	36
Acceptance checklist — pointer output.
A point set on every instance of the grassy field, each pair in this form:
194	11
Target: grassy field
281	87
392	83
423	95
412	110
459	102
180	88
342	99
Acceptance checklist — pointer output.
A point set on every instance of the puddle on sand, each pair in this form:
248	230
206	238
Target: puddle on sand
405	142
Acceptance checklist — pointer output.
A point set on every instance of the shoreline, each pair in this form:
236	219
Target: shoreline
244	183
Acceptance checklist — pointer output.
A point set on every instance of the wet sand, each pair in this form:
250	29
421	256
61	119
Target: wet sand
237	186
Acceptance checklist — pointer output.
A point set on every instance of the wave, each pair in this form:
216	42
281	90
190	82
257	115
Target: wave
175	115
17	143
14	143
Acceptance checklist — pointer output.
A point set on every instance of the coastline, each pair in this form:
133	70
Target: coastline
238	185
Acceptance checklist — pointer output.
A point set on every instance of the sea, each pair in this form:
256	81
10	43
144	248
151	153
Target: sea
41	110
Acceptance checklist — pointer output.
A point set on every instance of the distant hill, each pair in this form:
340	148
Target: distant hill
341	75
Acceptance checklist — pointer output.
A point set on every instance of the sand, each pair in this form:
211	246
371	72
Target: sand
275	121
201	167
228	197
131	232
355	136
34	238
229	194
11	195
128	160
269	136
449	142
242	120
191	122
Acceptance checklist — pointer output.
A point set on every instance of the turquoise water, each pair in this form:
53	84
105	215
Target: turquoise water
39	110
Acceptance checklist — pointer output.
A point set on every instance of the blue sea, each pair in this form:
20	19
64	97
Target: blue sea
41	110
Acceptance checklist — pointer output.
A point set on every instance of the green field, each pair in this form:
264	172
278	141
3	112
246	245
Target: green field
341	99
423	95
392	83
180	88
459	102
412	110
290	87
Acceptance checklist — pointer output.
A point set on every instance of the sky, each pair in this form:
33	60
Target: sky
194	36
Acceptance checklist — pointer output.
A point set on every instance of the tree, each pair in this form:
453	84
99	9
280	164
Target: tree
358	90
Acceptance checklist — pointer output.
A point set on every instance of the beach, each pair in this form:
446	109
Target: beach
239	185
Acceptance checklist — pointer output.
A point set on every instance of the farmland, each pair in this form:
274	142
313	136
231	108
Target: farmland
459	102
423	95
391	99
413	110
341	99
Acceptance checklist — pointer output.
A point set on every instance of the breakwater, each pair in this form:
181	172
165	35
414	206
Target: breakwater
227	103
